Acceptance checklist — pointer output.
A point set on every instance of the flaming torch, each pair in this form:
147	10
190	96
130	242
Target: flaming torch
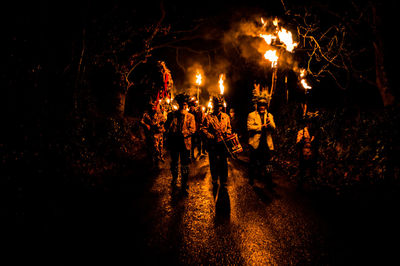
285	38
306	87
198	82
271	56
221	84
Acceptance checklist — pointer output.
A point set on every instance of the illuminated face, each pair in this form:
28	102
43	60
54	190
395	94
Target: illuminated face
261	109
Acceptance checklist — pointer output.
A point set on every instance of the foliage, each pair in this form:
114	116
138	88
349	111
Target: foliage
101	145
355	147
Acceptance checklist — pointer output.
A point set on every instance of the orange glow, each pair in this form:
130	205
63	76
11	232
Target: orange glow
275	22
268	38
303	81
210	105
302	72
271	56
198	78
305	85
221	84
285	36
282	34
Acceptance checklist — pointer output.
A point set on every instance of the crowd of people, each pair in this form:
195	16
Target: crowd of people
190	133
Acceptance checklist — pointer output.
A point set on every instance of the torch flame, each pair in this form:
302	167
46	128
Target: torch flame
285	36
268	38
305	85
275	22
303	81
302	72
198	78
270	55
221	83
210	105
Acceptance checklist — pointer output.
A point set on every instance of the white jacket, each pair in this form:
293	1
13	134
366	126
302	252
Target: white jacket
254	127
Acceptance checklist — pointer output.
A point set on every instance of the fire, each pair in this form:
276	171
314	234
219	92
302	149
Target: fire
282	34
268	38
210	105
303	80
198	78
270	55
221	83
305	85
302	72
275	22
285	36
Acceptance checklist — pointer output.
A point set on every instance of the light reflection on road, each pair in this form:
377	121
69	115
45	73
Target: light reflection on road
260	229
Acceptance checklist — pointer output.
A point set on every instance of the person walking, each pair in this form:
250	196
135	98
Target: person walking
180	126
216	126
260	125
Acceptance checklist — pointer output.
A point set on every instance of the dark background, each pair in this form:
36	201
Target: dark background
43	39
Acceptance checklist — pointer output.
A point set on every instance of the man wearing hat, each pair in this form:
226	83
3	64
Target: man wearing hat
260	125
180	126
215	127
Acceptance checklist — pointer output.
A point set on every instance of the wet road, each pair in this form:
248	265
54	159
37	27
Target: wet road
139	218
248	225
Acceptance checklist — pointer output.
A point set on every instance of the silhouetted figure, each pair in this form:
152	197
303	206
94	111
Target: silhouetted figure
153	124
307	150
216	126
199	116
180	126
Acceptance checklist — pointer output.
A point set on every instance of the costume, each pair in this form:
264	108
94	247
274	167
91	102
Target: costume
153	124
180	127
307	149
260	125
197	140
215	127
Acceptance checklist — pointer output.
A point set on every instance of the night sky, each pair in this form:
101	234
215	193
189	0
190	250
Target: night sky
46	35
44	41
